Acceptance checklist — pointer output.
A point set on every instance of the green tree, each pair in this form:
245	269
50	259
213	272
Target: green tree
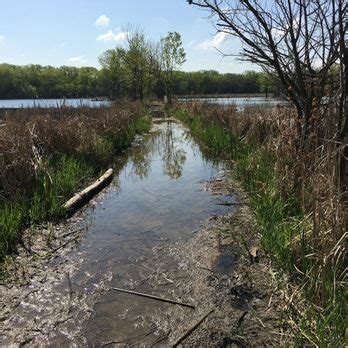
114	73
137	62
173	56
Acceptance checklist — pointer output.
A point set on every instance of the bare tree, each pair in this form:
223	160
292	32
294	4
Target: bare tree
298	40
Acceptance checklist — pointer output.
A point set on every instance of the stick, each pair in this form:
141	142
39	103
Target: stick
61	246
82	197
154	297
72	232
191	329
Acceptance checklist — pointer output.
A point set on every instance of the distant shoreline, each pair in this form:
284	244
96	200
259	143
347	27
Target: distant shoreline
222	95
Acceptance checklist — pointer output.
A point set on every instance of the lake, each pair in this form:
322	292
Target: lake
239	102
29	103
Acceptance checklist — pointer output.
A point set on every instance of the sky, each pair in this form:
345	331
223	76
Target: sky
77	32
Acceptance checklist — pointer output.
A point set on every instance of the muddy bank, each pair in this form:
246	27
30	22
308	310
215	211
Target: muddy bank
162	228
222	276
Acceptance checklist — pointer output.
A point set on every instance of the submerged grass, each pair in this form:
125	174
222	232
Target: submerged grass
57	152
284	222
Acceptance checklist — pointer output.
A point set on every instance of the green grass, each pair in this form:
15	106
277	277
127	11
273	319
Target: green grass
60	177
279	220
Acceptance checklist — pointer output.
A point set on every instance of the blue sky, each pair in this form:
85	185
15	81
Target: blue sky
76	32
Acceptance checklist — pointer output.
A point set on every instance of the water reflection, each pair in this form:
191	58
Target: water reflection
174	156
166	144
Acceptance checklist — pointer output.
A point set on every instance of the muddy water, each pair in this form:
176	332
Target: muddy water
157	199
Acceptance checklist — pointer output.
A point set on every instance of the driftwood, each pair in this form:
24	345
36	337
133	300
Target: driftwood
154	297
83	196
192	328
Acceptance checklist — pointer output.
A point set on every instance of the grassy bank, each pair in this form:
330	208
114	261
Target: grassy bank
46	155
302	230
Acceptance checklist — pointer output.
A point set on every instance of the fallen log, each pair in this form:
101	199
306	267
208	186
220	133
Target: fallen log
85	195
192	328
154	297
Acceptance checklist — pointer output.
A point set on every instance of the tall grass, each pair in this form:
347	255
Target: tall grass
302	230
48	154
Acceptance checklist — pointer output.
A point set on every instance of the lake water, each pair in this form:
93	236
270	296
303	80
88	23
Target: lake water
29	103
239	102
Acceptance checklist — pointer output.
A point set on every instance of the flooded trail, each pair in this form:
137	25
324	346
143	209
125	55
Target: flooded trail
159	200
156	201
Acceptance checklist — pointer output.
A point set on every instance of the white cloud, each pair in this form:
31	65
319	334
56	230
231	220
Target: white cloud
78	61
102	21
110	36
215	42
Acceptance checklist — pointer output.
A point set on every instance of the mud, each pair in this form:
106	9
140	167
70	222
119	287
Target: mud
159	229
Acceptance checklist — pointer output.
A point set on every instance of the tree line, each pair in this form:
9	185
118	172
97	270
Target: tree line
144	68
36	81
138	69
212	82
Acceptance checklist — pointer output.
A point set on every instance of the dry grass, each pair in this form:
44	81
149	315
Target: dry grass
29	136
297	199
48	154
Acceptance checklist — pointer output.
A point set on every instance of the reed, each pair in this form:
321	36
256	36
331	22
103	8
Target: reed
46	155
297	202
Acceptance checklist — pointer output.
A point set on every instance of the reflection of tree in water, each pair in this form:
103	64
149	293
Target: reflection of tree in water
141	156
166	145
173	157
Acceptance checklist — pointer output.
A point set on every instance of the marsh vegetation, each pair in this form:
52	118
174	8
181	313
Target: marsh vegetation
48	154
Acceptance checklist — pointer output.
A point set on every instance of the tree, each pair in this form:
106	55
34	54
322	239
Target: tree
297	40
36	81
156	67
136	61
173	56
113	71
266	82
